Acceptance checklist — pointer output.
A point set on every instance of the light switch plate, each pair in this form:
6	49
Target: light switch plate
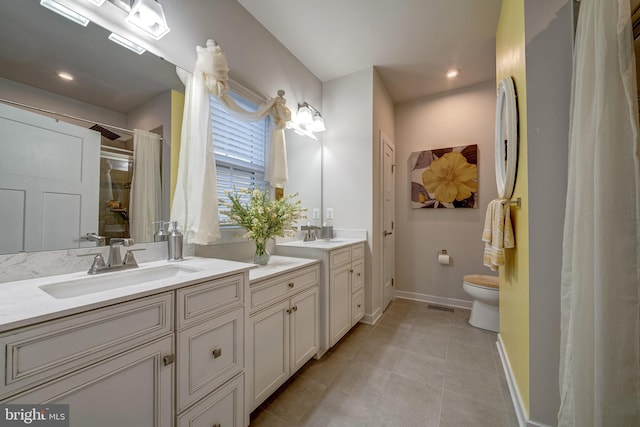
329	213
316	213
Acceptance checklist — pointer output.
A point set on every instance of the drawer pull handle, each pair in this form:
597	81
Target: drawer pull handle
217	425
217	352
289	311
351	271
291	284
168	360
295	308
359	306
358	274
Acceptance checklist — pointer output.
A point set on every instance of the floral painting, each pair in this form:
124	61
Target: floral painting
445	178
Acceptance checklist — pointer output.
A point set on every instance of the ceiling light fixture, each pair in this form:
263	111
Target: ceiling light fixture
66	76
68	13
149	17
453	73
117	38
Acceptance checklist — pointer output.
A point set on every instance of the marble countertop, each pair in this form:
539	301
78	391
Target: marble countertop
321	244
278	265
23	302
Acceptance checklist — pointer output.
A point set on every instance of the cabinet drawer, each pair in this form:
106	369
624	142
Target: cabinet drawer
270	291
48	350
357	251
203	300
357	306
223	408
339	256
209	354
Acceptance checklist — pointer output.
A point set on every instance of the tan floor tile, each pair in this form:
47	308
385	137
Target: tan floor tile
460	411
406	396
472	357
261	418
473	336
296	400
427	345
422	368
325	369
361	378
378	354
473	384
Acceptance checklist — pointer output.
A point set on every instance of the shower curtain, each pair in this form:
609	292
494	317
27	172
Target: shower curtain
600	330
144	205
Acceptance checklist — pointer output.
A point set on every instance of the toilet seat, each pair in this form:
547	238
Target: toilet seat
482	281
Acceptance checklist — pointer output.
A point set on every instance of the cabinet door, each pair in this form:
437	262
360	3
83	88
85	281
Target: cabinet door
357	275
340	302
134	388
305	323
269	337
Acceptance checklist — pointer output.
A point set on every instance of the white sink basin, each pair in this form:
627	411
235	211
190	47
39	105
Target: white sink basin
117	279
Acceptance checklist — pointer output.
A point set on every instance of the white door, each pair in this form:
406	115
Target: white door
49	182
388	219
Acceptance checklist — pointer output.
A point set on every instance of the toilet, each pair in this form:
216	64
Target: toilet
484	290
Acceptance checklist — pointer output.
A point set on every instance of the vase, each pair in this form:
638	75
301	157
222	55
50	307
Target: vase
261	257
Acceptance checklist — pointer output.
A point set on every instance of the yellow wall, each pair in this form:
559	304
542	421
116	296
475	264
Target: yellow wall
177	107
514	276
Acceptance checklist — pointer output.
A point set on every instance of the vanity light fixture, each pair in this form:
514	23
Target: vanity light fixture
309	119
453	73
117	38
68	13
149	17
300	130
97	2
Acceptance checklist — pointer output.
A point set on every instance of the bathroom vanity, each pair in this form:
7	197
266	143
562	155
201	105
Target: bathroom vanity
284	323
163	348
342	279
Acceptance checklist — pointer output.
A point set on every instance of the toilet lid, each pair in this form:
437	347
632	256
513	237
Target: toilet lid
482	280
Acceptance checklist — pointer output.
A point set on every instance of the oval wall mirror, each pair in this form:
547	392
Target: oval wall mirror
506	143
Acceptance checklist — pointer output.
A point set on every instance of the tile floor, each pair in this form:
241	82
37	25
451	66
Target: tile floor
416	367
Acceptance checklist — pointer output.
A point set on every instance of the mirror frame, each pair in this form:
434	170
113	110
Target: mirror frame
506	138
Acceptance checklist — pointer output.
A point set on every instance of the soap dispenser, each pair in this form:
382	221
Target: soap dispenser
174	241
162	234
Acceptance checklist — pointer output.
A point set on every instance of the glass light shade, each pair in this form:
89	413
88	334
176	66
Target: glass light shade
304	115
70	14
149	17
97	2
318	123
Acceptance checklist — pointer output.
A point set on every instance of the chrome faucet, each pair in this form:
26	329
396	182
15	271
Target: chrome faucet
310	232
115	258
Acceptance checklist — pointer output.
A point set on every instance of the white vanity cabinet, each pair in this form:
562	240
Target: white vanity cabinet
342	284
283	332
210	352
175	356
113	366
346	290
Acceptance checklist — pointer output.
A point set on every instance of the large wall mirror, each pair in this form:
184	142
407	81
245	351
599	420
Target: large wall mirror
112	86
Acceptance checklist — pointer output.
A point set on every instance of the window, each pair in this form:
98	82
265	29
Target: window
239	148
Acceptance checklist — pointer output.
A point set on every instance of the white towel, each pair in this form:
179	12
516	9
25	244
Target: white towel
497	234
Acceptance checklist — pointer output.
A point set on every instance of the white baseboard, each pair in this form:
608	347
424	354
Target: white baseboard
449	302
372	319
521	413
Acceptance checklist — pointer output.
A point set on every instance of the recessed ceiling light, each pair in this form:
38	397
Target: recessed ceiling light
452	73
66	76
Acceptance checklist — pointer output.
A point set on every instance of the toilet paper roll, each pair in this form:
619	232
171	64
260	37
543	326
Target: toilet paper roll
444	259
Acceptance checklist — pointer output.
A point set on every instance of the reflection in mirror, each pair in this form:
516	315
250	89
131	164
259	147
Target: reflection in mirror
114	90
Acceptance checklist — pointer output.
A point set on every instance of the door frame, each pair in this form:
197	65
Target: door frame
382	141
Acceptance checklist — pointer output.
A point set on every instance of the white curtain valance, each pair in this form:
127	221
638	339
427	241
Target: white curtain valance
195	205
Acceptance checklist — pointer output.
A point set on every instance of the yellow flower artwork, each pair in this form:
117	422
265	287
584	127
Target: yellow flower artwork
445	178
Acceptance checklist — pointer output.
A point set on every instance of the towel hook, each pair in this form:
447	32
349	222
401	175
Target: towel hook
517	202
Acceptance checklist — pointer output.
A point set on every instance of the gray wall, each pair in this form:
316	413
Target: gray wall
461	117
